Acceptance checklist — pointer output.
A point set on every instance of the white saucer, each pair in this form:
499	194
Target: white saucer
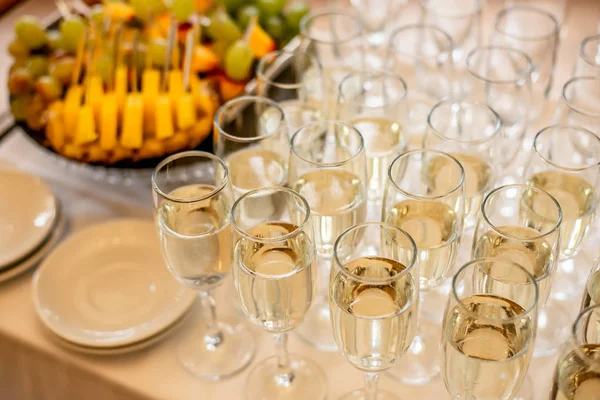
27	215
31	261
108	286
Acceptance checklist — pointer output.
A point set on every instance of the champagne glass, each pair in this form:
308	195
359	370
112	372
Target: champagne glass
421	55
577	373
424	196
535	32
290	88
558	9
522	224
374	297
501	78
328	168
580	103
336	38
374	103
488	330
588	59
470	132
193	196
591	296
565	161
274	256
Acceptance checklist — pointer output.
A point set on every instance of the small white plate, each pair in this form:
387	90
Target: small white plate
31	261
27	215
108	286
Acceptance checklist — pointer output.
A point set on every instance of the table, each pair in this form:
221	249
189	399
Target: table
33	367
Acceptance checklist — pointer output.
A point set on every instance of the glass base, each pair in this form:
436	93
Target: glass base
316	329
204	359
554	322
525	391
420	364
308	381
360	395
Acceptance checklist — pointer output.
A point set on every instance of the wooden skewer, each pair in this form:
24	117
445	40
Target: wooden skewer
169	52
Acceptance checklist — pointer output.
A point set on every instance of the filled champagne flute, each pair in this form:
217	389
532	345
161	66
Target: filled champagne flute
470	132
374	297
577	373
591	295
274	257
337	39
580	103
429	206
375	104
328	168
522	224
422	55
193	197
287	78
488	330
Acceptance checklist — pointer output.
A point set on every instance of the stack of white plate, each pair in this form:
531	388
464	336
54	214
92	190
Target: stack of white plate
30	222
106	290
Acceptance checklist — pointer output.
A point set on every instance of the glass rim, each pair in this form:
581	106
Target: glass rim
426	27
339	266
242	232
304	22
472	105
185	154
329	122
561	127
369	74
421	197
532	309
575	340
494	228
435	11
566	86
582	53
526	75
248	99
502	13
273	57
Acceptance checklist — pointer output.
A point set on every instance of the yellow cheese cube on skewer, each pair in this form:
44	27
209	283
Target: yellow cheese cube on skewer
109	122
86	127
164	118
132	134
150	92
186	111
94	97
175	86
121	86
71	111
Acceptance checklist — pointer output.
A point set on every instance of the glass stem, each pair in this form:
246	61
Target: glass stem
371	381
284	376
214	337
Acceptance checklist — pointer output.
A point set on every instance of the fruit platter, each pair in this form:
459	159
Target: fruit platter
123	84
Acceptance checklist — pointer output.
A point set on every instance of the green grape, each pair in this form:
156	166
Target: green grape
144	9
37	66
97	14
20	81
62	70
18	49
246	13
158	51
274	27
48	88
238	61
220	48
55	40
232	5
222	27
30	32
271	7
183	9
104	67
72	29
294	14
19	107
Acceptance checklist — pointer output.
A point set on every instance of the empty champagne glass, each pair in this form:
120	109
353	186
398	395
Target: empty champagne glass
522	224
535	32
588	58
501	78
192	197
287	78
375	104
470	132
374	297
488	330
328	168
558	8
336	38
580	103
577	373
274	257
425	197
422	56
